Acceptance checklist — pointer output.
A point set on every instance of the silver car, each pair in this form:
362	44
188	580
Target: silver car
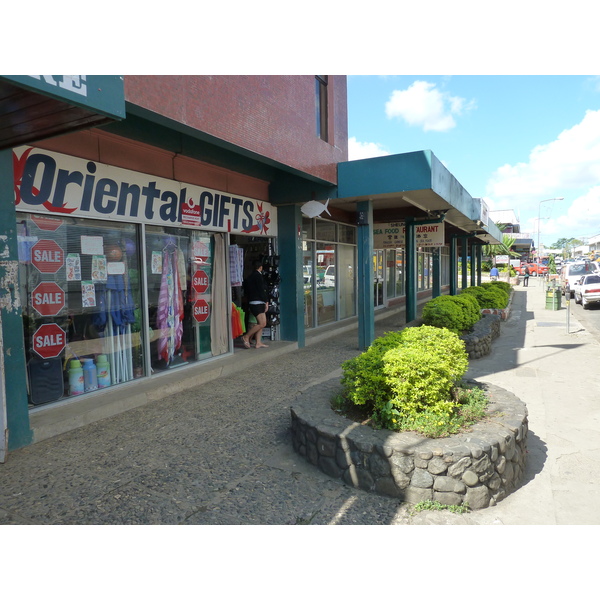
587	290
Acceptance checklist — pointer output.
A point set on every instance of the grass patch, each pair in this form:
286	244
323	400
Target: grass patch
435	505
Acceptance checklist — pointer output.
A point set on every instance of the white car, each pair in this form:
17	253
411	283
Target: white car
587	290
573	271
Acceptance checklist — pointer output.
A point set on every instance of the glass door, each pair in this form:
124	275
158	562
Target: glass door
378	277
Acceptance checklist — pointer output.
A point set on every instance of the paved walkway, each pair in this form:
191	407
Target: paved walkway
221	454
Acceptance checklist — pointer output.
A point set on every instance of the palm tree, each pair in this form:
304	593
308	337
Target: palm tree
493	250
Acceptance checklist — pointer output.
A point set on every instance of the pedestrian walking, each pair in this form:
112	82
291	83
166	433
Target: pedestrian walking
494	273
526	276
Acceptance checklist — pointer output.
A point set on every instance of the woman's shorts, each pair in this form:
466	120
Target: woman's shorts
257	309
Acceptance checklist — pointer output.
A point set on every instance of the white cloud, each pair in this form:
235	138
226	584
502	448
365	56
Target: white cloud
358	150
571	162
423	105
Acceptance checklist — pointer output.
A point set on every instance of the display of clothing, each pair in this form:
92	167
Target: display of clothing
236	265
170	306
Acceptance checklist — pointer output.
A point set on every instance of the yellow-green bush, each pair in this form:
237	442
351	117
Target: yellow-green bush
407	373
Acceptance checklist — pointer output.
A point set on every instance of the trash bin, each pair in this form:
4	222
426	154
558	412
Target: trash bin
553	298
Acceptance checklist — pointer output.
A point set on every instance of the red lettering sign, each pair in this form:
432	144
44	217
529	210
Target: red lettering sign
49	340
47	256
48	298
200	282
201	310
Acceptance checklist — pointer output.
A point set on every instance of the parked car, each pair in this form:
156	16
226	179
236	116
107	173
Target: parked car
330	276
587	290
534	269
573	271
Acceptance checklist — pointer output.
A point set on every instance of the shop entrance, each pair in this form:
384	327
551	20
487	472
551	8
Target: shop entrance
243	251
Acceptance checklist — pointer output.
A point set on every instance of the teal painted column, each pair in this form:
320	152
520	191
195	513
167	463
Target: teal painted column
479	255
453	266
366	300
464	256
291	288
473	262
436	273
17	412
411	269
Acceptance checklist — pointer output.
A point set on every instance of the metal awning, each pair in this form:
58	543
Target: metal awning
34	107
417	185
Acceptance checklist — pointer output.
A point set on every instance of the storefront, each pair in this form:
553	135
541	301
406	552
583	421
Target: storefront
124	275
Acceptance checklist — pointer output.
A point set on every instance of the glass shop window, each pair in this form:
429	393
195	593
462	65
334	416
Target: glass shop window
80	285
183	297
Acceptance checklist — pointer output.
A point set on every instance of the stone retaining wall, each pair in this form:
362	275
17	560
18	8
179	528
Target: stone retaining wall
478	342
480	467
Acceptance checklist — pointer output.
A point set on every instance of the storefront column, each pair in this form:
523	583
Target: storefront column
366	297
411	269
473	262
478	254
464	258
453	265
17	412
436	273
291	288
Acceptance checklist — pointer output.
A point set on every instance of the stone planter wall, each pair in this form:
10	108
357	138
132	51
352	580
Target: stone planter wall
480	467
478	343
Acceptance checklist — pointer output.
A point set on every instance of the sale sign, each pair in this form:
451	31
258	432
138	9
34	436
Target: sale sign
47	256
200	281
49	340
201	310
48	298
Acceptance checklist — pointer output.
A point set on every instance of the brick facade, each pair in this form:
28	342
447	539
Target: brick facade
269	115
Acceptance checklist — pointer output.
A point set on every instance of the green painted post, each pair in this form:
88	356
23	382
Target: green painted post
479	253
453	265
411	269
366	299
436	274
464	251
290	269
473	262
17	412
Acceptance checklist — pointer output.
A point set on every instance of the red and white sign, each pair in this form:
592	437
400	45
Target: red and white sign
47	223
200	281
48	298
47	256
190	213
201	310
49	340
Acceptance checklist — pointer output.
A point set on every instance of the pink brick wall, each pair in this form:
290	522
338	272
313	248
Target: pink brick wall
271	115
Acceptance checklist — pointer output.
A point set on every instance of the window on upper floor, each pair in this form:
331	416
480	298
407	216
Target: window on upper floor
321	106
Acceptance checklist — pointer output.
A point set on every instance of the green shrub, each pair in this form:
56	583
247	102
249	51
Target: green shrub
363	377
488	296
455	313
410	373
503	285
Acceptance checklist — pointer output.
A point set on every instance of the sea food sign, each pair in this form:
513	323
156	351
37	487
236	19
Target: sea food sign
392	235
56	184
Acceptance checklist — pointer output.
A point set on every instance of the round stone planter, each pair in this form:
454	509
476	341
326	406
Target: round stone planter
479	467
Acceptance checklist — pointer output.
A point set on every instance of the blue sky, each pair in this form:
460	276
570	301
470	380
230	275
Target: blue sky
512	140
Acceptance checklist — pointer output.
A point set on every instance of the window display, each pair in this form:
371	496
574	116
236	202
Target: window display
81	300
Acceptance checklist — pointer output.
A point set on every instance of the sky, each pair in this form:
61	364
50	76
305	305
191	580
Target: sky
518	142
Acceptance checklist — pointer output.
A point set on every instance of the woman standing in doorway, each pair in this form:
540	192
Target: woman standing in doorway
256	294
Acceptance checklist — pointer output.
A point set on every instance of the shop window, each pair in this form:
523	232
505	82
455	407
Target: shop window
182	296
325	230
80	285
321	106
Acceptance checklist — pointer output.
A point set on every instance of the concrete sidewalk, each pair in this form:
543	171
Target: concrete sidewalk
220	453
